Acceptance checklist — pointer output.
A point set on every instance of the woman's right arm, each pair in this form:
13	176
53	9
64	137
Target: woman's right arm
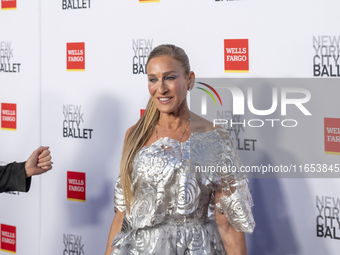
115	228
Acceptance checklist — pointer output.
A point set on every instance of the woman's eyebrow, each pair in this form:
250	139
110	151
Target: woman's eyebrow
165	73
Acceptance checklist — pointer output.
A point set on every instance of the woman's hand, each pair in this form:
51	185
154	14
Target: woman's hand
115	228
234	242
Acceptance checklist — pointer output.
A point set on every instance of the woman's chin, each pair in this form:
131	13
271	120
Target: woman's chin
164	108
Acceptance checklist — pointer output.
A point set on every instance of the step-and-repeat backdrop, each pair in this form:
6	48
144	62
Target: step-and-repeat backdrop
73	77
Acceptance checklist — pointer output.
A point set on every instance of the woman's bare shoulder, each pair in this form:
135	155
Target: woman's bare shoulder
129	130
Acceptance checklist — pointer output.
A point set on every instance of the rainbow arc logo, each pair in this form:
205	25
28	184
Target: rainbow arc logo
204	99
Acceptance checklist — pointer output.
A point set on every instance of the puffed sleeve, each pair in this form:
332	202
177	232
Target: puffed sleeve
237	202
119	202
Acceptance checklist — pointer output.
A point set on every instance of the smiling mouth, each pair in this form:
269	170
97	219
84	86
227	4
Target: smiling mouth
164	99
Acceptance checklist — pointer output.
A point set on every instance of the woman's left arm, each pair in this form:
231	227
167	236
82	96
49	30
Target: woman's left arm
234	241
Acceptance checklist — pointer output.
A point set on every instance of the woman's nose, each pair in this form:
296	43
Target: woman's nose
162	88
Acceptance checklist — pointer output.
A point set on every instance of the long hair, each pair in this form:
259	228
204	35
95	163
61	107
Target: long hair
143	129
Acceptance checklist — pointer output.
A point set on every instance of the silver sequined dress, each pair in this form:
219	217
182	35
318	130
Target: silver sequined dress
173	209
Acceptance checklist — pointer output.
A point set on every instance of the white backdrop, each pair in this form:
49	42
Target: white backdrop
109	96
20	31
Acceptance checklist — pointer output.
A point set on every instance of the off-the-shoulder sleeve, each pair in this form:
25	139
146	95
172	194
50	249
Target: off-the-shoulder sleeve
237	202
119	202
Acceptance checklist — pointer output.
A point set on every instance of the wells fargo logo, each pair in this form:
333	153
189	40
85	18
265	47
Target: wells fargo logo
236	56
8	116
332	135
76	186
75	54
8	4
8	238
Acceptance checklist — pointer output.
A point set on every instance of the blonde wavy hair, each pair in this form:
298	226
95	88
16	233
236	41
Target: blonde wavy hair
143	129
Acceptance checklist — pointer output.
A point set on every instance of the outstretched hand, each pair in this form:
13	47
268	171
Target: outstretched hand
39	162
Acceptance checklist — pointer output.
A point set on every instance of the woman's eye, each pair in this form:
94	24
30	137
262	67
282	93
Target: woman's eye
170	77
152	79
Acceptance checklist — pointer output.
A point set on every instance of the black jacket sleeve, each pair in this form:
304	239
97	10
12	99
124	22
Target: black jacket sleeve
13	178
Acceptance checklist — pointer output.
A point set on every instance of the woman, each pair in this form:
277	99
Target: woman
164	203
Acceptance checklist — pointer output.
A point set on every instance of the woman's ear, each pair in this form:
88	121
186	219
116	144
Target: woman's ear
191	82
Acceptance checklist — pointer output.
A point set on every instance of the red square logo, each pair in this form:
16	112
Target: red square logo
236	56
8	4
8	116
75	54
8	238
332	136
142	112
76	186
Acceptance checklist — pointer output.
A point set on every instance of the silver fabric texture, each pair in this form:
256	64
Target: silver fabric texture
174	207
